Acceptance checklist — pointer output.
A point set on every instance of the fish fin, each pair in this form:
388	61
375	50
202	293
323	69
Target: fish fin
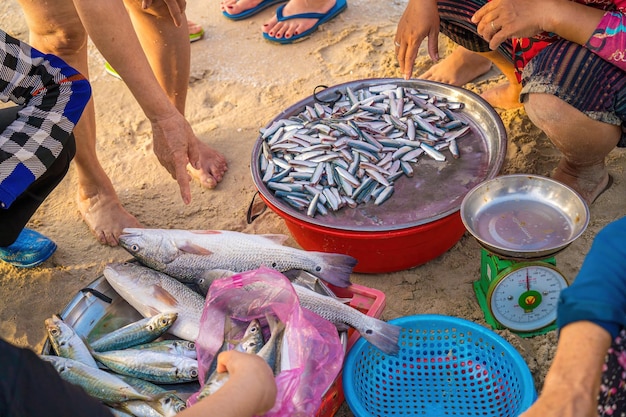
337	268
384	336
276	238
163	296
193	249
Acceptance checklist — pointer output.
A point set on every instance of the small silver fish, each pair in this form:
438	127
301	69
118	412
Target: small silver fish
141	331
67	343
98	383
157	367
167	403
171	346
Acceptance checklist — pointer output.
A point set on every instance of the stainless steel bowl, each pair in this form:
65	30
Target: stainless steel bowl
524	216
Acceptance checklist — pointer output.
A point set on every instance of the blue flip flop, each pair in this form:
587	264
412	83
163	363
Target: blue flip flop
251	12
322	18
30	249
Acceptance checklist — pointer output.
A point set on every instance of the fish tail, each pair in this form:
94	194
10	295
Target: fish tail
384	336
337	269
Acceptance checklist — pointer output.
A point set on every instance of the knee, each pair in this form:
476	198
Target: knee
541	109
61	41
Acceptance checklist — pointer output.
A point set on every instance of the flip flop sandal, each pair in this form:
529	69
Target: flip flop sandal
322	18
197	35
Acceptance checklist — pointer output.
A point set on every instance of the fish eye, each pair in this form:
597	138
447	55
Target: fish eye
134	248
318	268
194	373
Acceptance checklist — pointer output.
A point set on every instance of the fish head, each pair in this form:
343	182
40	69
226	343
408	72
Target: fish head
131	276
152	247
171	404
163	320
59	333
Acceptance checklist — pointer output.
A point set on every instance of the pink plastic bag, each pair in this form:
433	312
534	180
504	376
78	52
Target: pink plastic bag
253	294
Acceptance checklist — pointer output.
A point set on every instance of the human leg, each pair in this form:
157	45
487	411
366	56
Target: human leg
14	218
56	28
581	108
584	143
19	246
168	51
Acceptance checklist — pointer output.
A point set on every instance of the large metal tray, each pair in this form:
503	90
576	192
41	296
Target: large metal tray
436	188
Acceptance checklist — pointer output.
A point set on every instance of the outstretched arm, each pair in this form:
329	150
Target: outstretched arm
591	313
572	384
175	144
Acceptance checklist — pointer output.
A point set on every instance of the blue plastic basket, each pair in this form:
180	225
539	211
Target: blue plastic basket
446	366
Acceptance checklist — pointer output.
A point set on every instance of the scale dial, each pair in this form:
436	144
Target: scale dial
524	297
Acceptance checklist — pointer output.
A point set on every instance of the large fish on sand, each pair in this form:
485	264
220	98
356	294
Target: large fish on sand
186	254
151	292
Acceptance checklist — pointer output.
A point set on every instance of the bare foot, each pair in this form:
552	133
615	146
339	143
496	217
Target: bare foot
504	96
458	68
288	28
105	216
589	182
214	166
238	6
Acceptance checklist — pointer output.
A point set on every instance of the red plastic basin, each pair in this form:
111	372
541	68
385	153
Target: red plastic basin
379	252
422	219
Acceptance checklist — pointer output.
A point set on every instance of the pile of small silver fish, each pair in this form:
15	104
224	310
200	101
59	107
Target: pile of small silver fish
124	368
326	158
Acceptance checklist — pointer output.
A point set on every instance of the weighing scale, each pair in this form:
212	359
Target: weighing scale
521	223
520	295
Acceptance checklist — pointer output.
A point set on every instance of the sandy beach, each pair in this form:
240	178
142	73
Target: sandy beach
239	82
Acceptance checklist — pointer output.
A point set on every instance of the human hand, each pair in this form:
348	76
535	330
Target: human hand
419	20
499	20
175	146
252	375
175	7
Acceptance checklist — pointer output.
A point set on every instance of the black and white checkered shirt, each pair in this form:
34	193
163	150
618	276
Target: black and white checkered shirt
53	96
